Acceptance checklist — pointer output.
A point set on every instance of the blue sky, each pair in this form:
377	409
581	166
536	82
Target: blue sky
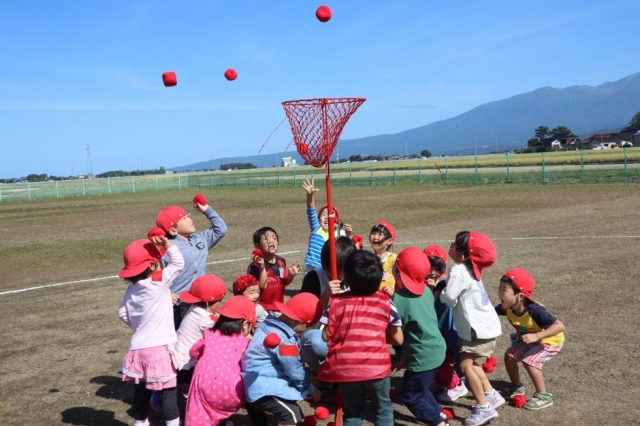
77	73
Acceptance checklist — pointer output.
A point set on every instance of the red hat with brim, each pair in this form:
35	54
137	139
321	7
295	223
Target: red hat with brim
243	282
523	281
389	228
239	307
482	253
207	288
169	217
436	251
303	307
138	256
413	266
335	211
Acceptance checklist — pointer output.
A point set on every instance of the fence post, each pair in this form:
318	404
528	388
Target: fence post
626	175
278	171
350	174
581	167
420	170
84	190
295	182
263	176
371	171
508	170
395	178
109	185
446	169
210	180
57	190
0	195
179	182
29	189
157	188
133	184
544	170
475	160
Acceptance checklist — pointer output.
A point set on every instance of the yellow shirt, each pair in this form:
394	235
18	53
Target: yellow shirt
387	266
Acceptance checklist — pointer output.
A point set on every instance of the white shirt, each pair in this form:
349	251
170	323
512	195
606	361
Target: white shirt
192	328
147	307
472	307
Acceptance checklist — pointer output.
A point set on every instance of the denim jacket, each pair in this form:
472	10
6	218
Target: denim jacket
275	372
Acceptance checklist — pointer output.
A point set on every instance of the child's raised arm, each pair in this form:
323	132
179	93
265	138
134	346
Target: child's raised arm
310	188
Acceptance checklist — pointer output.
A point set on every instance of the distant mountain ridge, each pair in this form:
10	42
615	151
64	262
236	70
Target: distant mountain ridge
495	126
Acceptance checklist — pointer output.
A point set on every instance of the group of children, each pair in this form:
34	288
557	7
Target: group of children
440	325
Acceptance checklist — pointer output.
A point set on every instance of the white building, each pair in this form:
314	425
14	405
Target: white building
288	161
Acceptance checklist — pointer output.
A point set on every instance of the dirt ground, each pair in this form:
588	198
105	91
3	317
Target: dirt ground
59	292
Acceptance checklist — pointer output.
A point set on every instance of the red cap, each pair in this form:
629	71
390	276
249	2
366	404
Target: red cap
138	256
482	252
437	251
242	282
413	266
335	210
389	228
239	307
207	288
303	307
169	217
523	280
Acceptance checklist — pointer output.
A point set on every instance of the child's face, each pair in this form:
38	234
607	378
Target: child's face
454	255
253	293
433	277
323	218
379	244
508	297
185	226
268	243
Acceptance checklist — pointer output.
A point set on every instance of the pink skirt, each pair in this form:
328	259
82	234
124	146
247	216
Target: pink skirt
155	366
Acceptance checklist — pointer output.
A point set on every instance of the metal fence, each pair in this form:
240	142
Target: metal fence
541	168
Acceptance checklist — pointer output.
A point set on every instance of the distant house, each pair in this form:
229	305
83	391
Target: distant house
608	140
288	161
559	140
635	138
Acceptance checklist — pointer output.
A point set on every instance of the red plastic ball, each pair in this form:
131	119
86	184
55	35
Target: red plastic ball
257	253
230	74
322	413
169	79
493	361
156	232
310	421
271	340
199	199
449	412
519	401
331	424
303	148
488	368
323	13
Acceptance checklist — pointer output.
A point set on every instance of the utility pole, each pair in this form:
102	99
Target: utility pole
89	163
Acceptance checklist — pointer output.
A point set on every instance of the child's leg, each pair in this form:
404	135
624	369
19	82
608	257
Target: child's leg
170	406
382	401
512	369
417	397
536	377
352	403
477	380
141	397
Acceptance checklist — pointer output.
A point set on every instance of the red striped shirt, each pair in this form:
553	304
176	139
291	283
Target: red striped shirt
358	349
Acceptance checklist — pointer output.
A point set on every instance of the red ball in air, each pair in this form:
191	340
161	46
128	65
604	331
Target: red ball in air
303	148
493	361
449	412
323	13
271	340
199	199
487	367
230	74
156	232
519	401
169	79
322	413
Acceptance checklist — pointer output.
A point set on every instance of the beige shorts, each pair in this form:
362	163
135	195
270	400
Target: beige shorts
479	347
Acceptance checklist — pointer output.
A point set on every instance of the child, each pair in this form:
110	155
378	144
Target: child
194	246
477	323
361	322
319	225
424	347
447	376
216	391
146	308
204	297
538	336
271	270
275	378
248	286
381	238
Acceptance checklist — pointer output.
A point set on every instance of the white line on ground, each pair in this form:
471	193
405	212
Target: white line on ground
298	251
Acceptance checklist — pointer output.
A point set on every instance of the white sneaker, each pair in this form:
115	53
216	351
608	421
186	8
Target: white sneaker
451	395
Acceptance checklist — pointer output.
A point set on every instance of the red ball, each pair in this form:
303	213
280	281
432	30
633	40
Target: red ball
257	253
322	413
332	424
156	232
310	421
487	367
199	199
230	74
323	13
169	79
449	412
519	401
271	340
303	149
493	361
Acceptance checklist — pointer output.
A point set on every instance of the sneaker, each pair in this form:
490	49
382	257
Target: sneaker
481	416
539	400
518	391
452	394
496	400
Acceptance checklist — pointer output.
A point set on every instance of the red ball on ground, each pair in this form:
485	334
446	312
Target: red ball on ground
331	424
230	74
519	401
199	199
271	340
169	79
156	232
322	413
488	368
310	421
449	412
493	361
323	13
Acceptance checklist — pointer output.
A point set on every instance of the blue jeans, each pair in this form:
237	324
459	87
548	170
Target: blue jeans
353	394
418	398
314	349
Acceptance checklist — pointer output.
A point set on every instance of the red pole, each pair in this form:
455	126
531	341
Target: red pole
332	222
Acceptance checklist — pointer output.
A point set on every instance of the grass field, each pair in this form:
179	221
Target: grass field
63	344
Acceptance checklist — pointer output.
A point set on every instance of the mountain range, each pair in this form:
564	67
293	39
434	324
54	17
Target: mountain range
495	126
